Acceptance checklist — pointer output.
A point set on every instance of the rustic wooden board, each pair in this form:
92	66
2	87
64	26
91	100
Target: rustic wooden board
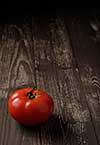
40	52
84	34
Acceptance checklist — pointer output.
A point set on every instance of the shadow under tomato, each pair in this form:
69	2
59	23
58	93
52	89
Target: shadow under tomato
61	130
56	128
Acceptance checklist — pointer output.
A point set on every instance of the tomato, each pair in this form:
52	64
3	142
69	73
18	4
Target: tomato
30	106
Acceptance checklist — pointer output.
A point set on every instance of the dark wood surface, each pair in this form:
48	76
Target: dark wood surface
61	56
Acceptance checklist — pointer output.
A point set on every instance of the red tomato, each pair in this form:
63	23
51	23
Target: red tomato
30	106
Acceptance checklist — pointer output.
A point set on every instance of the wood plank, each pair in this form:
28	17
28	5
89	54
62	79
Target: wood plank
86	52
17	69
51	132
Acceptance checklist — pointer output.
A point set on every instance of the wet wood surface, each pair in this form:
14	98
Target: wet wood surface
61	56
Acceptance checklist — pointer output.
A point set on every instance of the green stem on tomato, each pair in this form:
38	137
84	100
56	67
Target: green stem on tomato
30	94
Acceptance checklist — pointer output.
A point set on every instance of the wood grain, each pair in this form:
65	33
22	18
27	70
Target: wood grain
86	52
44	52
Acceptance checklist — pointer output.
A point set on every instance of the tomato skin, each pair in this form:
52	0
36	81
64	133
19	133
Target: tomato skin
30	111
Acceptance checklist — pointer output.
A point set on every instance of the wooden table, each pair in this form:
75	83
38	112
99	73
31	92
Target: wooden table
60	55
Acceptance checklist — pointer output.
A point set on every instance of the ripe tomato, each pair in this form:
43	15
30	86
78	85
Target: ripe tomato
30	106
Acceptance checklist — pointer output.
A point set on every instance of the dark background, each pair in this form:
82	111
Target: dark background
18	9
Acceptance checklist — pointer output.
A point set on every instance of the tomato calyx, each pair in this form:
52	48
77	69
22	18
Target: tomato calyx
30	94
